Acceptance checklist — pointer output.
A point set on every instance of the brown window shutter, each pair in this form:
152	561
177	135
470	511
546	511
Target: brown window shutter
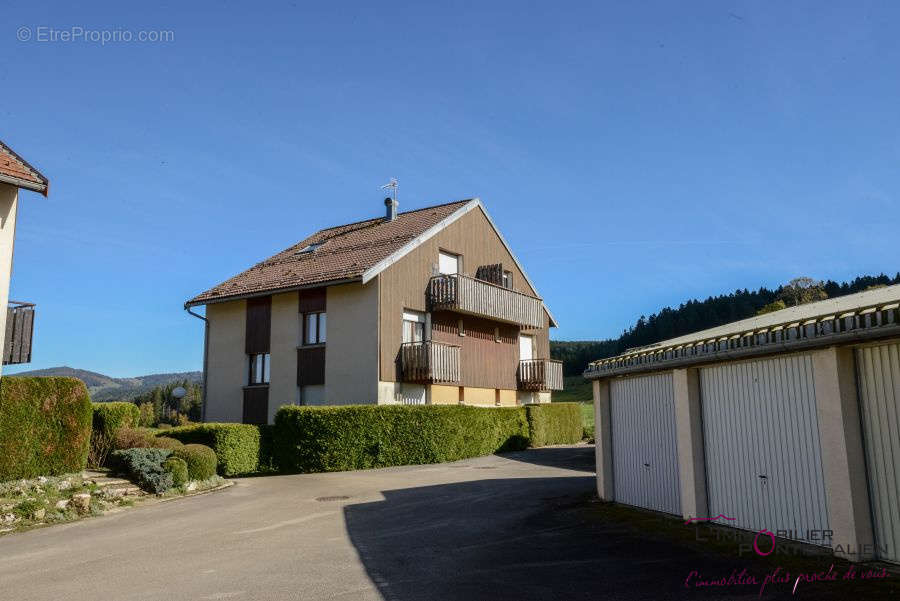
312	299
259	324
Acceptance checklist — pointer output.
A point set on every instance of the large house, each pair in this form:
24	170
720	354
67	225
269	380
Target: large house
17	321
422	307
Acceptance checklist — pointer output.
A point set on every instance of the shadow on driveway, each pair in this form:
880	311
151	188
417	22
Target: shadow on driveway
535	538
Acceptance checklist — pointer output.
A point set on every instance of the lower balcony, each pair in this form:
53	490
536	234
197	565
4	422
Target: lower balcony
429	362
19	330
540	374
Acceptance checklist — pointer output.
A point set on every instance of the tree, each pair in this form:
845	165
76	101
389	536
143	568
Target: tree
777	305
800	291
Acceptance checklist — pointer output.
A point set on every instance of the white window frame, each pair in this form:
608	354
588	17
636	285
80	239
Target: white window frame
320	327
258	369
413	317
444	259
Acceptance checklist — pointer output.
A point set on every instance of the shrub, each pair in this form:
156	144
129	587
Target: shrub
146	467
164	442
108	419
178	468
133	438
164	426
554	423
324	439
45	426
200	459
147	416
240	448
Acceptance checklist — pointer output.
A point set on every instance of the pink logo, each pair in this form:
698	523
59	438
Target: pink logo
756	546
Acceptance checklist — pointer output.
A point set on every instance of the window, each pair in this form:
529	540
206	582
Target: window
314	327
413	326
259	369
508	279
448	263
309	248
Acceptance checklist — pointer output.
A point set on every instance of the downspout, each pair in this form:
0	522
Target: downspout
205	359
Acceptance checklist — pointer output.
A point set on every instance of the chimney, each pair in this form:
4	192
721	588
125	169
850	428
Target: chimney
390	212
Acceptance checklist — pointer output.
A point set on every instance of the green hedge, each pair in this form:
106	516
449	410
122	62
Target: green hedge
110	417
45	426
240	448
327	439
200	460
554	423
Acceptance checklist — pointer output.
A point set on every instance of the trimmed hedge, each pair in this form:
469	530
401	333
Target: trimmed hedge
240	448
45	427
554	423
328	439
178	468
200	460
110	417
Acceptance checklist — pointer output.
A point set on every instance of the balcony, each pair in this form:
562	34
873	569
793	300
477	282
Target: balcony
540	374
19	329
464	294
429	362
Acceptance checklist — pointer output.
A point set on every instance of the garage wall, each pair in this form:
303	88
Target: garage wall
644	452
763	456
878	377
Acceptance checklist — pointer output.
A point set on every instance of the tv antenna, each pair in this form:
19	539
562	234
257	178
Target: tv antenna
392	187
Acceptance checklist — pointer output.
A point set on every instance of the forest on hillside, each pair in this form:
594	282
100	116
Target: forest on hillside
695	315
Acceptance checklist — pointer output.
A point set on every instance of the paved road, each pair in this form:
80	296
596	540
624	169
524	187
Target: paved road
517	526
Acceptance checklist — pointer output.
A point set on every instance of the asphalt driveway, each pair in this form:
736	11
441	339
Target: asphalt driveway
518	526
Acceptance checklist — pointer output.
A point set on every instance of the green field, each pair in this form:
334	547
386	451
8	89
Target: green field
578	390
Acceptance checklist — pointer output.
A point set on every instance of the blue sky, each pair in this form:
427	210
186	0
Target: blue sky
634	154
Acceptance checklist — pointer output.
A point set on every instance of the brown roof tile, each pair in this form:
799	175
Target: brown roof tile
344	252
24	175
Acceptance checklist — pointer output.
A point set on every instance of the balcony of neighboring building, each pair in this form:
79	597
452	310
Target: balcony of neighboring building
429	362
540	375
473	296
19	330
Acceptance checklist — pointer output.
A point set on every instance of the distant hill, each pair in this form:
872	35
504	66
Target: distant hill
693	316
106	388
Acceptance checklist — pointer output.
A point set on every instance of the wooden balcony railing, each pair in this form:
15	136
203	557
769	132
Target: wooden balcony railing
429	362
19	329
475	297
540	374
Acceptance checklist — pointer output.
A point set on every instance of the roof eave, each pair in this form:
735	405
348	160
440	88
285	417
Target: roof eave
196	301
25	184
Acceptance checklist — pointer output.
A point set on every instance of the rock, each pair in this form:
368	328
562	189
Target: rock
9	518
81	501
39	514
192	485
42	479
62	504
64	484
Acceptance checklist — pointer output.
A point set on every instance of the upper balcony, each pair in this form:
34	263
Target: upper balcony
429	362
465	294
540	374
19	329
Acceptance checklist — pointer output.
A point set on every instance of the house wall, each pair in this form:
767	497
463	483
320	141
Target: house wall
227	361
8	209
484	362
403	284
285	336
351	349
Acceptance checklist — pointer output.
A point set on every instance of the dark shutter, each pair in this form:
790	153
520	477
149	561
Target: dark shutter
259	324
18	334
311	366
490	273
312	299
256	405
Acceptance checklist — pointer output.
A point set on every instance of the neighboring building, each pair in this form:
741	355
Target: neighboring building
17	322
426	306
787	422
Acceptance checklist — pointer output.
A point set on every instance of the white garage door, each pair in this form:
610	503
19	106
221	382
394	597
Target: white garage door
879	394
644	455
763	458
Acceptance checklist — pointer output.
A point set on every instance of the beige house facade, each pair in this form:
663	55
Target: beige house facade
423	307
785	423
17	318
